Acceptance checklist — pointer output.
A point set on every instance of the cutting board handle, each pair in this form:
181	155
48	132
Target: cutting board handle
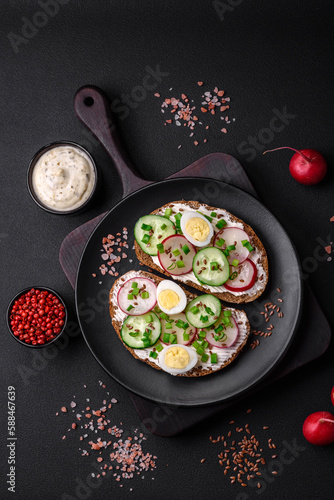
92	107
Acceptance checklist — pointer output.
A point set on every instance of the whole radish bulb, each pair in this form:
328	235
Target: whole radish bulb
318	428
307	166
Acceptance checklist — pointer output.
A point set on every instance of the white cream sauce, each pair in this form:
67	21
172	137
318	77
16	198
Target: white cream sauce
223	354
63	178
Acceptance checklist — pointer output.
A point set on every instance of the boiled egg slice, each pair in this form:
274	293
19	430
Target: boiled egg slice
176	359
171	298
196	228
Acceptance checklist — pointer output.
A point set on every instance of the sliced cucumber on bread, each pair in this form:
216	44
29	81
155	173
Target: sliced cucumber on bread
151	230
211	267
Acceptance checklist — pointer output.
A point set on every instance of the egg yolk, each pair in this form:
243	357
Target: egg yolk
168	299
198	228
177	357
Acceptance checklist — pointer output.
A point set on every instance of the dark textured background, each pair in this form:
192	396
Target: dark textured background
266	55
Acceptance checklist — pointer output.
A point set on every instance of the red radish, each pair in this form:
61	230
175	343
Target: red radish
233	236
307	166
332	396
191	330
231	332
247	273
137	305
168	260
318	428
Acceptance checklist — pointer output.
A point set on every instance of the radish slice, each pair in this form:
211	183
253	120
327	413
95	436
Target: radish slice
175	251
247	273
233	236
231	333
137	305
175	330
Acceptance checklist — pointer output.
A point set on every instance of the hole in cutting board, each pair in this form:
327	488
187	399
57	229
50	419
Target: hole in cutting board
89	101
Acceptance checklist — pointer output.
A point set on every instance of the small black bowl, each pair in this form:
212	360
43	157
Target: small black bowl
17	296
32	164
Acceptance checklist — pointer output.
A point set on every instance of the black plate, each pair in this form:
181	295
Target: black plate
252	365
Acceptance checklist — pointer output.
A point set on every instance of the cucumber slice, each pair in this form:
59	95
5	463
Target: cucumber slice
133	323
203	311
202	266
152	237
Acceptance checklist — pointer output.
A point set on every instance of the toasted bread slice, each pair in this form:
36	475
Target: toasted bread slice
259	257
229	354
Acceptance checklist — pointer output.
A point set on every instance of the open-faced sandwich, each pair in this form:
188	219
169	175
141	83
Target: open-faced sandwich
204	247
172	329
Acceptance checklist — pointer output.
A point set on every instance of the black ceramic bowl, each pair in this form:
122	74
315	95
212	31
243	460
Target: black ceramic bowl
17	296
32	164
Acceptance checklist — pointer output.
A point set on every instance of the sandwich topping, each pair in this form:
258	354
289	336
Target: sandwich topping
191	334
205	247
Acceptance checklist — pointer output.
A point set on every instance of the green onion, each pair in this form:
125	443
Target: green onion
166	337
163	315
148	318
226	252
200	350
195	345
214	357
220	242
157	309
176	252
213	266
134	284
245	243
180	323
168	213
147	333
230	247
209	311
172	266
220	338
172	338
180	264
153	355
225	321
233	276
206	216
130	307
235	262
213	214
160	248
135	292
204	319
194	310
219	328
205	344
186	249
204	357
202	334
227	313
146	342
186	336
185	326
168	326
221	223
159	347
146	238
146	227
163	227
130	296
145	295
178	217
133	334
